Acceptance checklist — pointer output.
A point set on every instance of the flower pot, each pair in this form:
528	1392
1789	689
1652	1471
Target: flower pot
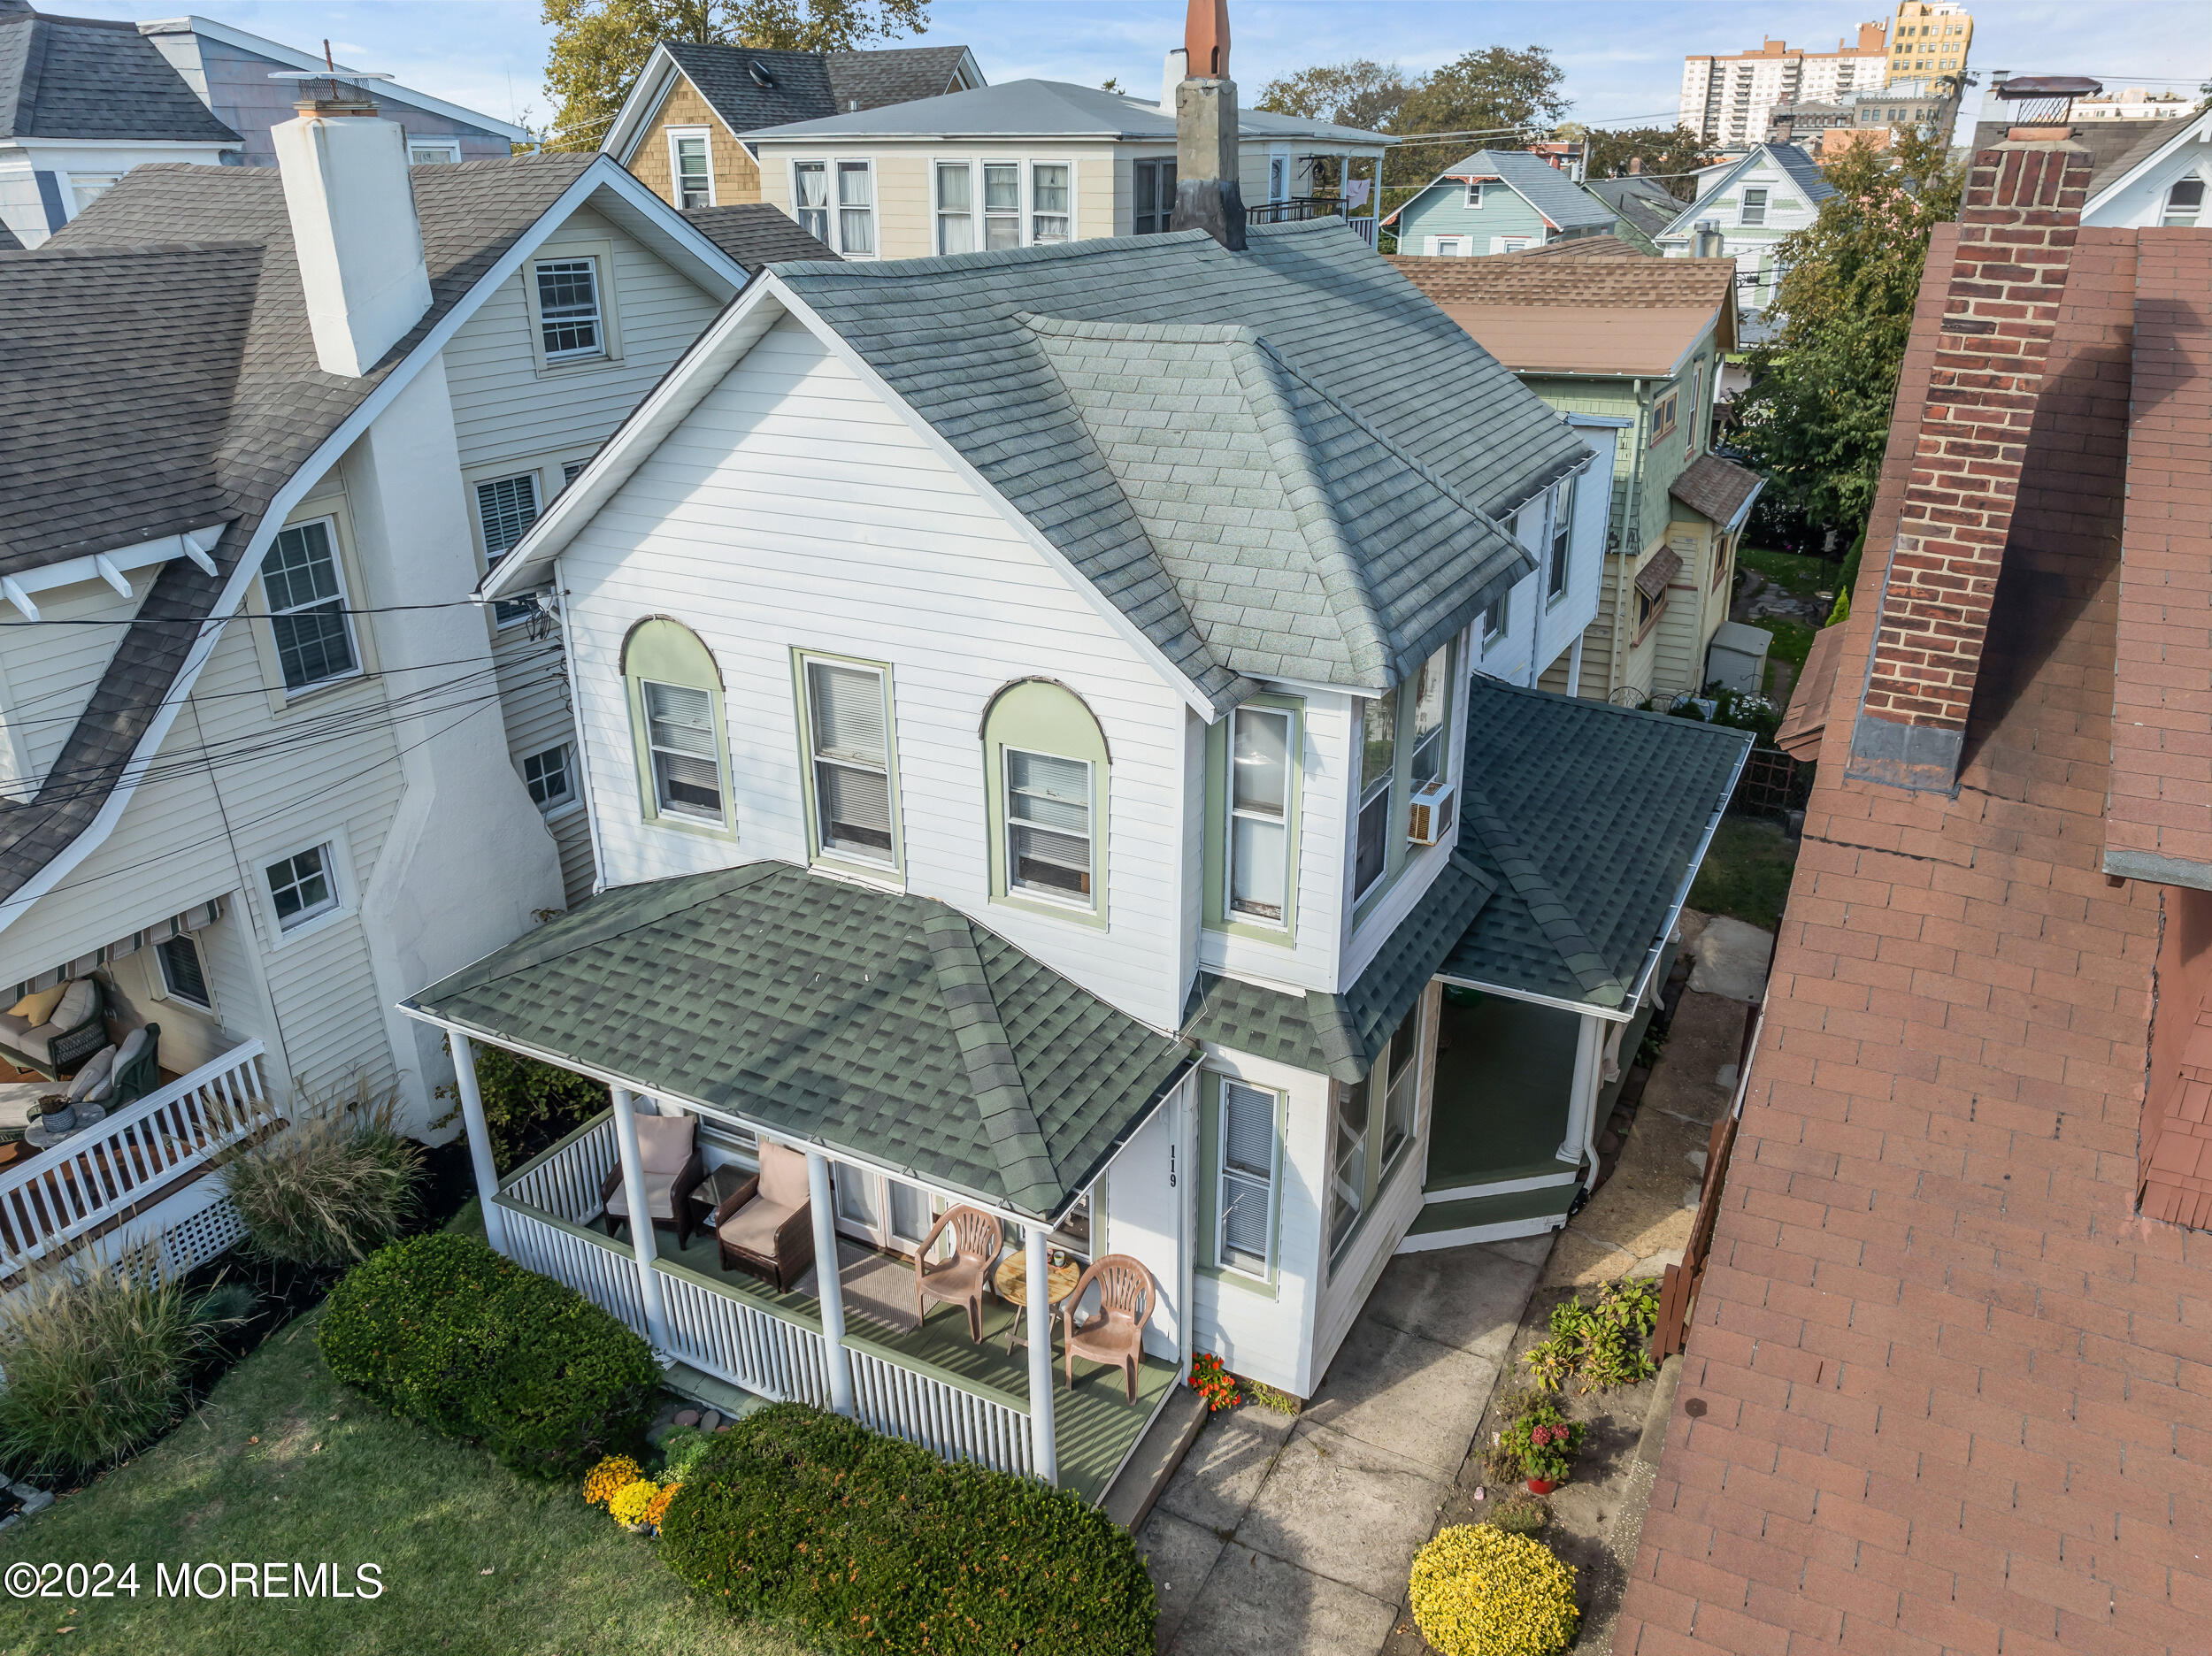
1541	1486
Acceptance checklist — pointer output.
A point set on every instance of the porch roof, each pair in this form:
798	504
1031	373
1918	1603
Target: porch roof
885	1026
1592	819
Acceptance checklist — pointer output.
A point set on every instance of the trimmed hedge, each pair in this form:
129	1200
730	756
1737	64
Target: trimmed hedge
443	1330
863	1542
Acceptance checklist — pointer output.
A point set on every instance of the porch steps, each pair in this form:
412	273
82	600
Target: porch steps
1489	1218
1504	1181
734	1402
1129	1498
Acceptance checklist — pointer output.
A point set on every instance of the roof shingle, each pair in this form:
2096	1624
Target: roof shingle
92	77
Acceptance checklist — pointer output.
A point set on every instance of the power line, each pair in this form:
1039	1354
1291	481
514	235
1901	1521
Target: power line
241	614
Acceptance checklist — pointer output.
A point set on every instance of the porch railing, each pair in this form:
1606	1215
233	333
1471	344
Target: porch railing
1299	209
600	1268
749	1344
956	1422
99	1178
565	1179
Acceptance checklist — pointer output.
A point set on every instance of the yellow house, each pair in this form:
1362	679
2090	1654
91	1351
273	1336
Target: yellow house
677	130
1929	38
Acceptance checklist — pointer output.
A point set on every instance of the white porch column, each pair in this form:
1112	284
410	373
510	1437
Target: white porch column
640	1218
827	1282
480	1139
1042	1458
1582	1096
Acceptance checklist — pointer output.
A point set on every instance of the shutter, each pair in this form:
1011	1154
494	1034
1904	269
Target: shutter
507	509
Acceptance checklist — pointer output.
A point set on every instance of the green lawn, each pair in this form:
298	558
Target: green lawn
1799	577
1747	873
282	1463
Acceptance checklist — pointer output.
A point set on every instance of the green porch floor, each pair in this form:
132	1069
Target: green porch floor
1093	1427
1503	1072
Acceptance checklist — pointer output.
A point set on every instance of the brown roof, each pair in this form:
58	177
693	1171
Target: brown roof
1652	580
1714	488
1805	718
1633	317
1949	1386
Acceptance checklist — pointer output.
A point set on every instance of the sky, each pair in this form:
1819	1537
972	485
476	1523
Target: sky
1623	57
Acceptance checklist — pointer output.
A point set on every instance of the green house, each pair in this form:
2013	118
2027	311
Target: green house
1497	200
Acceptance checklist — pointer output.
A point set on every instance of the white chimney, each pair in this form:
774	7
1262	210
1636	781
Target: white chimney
1174	74
358	241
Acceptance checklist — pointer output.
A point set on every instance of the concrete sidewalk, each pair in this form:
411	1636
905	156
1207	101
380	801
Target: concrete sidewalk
1281	1536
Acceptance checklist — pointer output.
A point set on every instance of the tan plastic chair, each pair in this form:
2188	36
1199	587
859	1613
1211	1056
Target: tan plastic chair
1115	1334
961	1280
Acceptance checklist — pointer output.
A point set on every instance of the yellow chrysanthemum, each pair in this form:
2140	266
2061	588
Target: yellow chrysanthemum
1478	1591
608	1477
634	1500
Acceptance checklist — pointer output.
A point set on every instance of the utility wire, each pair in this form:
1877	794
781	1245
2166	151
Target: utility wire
243	615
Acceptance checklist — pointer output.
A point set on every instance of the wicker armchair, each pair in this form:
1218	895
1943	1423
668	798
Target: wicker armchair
766	1225
669	1166
73	1029
1115	1334
961	1280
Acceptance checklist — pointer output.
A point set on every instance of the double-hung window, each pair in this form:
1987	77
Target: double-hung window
1049	841
1754	211
694	171
1259	814
1563	519
848	730
1154	201
809	199
955	207
306	593
1497	617
1002	205
1402	1094
686	759
505	508
301	887
2185	204
1474	196
856	209
183	977
569	320
1432	703
1378	765
1244	1193
1347	1160
1051	200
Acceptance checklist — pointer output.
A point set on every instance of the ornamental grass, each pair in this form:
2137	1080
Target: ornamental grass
1478	1591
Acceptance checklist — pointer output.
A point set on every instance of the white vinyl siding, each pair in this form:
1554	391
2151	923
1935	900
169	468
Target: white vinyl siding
505	508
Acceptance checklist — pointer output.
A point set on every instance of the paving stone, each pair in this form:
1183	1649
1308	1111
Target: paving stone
1468	1297
1408	1395
1178	1554
1256	1605
1347	1510
1224	1470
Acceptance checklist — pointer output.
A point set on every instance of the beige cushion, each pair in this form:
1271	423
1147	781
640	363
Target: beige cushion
782	1177
660	1201
664	1143
134	1045
76	1005
753	1226
35	1009
93	1079
36	1043
13	1028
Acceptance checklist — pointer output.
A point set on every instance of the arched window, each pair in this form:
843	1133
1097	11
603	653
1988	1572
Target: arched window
1045	781
676	722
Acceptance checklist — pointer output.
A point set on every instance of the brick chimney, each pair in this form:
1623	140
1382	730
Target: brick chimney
1208	196
2017	233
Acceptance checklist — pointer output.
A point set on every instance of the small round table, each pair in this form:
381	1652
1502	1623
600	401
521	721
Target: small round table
1011	1281
88	1115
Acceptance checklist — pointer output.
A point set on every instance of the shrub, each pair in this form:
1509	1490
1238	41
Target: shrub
339	1182
527	1104
1542	1442
857	1540
680	1451
443	1330
1478	1591
1606	1343
97	1361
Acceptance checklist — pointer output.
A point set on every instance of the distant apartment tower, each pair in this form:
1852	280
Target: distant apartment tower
1729	101
1929	38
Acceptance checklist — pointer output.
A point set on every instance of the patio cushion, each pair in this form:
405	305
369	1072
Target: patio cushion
35	1043
782	1179
752	1228
133	1044
92	1080
664	1143
76	1005
35	1009
659	1201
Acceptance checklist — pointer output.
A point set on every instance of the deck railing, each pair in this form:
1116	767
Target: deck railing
565	1179
747	1344
958	1423
98	1177
601	1270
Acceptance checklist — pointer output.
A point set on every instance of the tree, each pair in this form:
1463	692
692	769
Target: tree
1361	94
1494	95
600	45
1666	152
1816	418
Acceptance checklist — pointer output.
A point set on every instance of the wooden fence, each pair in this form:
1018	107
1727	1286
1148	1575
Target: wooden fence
1677	1290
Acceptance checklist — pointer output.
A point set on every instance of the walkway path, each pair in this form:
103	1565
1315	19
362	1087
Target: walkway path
1283	1535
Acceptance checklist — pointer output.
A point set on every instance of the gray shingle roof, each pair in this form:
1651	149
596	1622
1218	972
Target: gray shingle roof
1713	487
1543	186
90	78
1043	109
755	234
1800	168
807	86
1246	452
184	391
1342	1036
892	74
1646	205
1589	817
884	1026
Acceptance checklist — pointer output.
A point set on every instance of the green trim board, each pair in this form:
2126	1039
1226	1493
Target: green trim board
1208	1261
661	651
883	1026
1516	1206
1039	716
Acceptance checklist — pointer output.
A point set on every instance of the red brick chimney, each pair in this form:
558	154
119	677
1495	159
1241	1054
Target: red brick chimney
2016	233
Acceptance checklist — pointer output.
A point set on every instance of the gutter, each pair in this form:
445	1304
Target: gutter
1689	879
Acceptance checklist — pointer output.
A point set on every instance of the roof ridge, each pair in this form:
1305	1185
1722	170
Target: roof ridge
1562	926
988	1053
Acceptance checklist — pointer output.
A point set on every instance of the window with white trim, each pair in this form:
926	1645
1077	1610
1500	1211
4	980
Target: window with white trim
1377	730
1754	211
810	200
1051	202
305	591
1260	758
1002	205
570	325
432	151
686	759
1432	706
301	886
1246	1167
848	735
505	508
2183	205
552	784
183	974
1048	841
1562	536
87	188
691	169
1474	195
1401	1095
856	209
1348	1160
955	207
1497	618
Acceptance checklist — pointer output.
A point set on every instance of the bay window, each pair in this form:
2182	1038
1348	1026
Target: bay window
1260	750
1378	733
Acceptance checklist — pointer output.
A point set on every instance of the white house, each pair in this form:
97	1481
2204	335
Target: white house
1767	194
263	765
2162	179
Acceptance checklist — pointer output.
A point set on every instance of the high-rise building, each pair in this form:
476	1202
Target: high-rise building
1929	38
1729	101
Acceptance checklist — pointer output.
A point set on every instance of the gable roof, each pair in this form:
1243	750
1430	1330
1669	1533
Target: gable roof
1591	859
1633	317
1799	167
879	1024
1563	203
1044	109
755	234
89	78
1645	204
1274	492
2115	148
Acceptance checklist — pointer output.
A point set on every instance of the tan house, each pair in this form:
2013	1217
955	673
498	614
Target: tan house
1032	162
1597	330
678	130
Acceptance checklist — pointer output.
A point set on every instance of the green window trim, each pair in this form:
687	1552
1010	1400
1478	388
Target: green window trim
1043	718
1209	1173
831	856
1217	915
1382	1163
661	651
1399	852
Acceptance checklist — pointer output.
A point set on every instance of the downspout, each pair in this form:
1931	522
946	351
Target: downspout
1632	548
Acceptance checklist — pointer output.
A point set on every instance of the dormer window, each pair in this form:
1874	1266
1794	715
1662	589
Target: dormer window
2184	202
1474	195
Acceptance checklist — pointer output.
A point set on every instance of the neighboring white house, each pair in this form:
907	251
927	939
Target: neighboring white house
1769	193
2163	183
262	765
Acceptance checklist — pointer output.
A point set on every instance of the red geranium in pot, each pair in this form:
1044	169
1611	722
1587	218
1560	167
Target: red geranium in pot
1543	1442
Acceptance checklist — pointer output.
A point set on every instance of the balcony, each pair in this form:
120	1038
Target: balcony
1298	209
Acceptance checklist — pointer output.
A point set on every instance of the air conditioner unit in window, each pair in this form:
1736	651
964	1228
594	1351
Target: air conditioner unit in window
1430	814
